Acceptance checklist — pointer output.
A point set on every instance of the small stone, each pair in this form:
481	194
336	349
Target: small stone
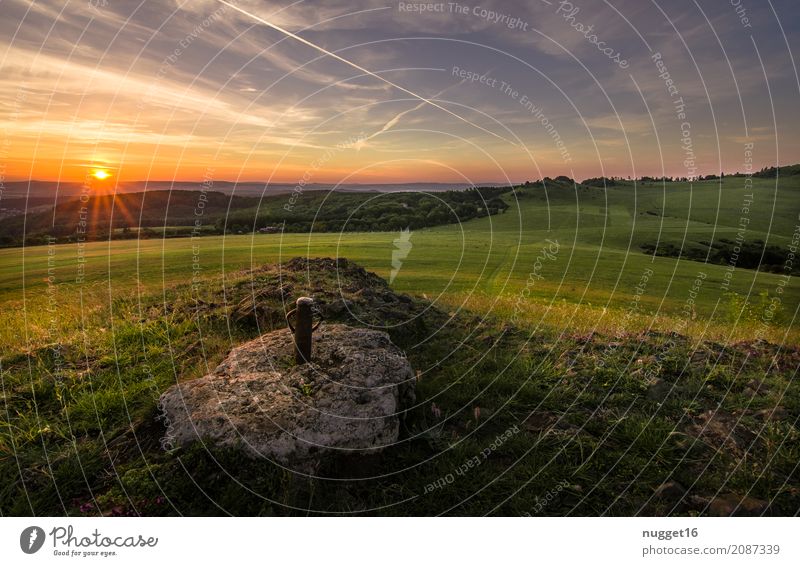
698	502
670	490
771	414
733	504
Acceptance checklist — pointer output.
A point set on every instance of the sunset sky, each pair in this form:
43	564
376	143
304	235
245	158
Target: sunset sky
165	90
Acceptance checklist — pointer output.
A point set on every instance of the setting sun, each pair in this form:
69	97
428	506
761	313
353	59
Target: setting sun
101	174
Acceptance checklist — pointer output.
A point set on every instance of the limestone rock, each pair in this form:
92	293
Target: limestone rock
350	399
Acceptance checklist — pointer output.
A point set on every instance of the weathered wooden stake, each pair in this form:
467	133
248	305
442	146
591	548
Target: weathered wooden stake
303	328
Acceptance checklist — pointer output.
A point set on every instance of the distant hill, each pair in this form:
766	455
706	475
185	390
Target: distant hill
103	214
182	213
61	190
68	189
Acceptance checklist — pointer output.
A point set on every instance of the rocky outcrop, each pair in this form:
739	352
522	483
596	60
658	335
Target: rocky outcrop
350	399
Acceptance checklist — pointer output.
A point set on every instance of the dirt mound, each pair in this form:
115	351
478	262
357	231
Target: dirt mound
342	290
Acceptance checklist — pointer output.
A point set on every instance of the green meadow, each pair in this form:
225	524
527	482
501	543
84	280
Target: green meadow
606	372
590	284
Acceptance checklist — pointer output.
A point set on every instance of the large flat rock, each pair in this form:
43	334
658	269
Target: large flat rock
348	400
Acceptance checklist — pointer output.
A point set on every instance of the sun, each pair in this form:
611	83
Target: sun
101	174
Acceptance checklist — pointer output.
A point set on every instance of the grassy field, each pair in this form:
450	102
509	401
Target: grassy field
486	263
554	326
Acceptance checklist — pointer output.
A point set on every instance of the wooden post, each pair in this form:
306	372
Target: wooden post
303	328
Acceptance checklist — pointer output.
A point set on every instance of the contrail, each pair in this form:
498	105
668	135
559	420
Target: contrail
360	68
391	123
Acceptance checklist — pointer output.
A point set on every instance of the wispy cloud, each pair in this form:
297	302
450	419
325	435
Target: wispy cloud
247	96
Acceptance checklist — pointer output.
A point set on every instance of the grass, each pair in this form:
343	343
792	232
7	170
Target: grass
571	410
573	378
598	266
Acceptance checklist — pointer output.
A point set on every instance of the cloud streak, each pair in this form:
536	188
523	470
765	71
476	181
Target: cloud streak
363	70
362	142
247	98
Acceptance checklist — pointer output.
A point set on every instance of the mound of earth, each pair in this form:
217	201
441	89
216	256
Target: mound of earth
349	399
342	290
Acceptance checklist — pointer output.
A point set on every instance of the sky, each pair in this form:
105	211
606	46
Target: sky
373	91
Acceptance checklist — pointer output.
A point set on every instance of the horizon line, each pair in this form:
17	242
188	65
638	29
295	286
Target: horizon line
474	184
